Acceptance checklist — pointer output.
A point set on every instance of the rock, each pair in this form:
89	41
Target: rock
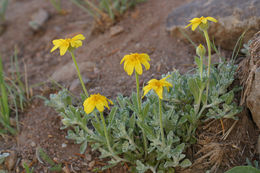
115	30
33	144
88	157
250	79
10	161
63	145
68	71
38	19
234	17
253	99
76	83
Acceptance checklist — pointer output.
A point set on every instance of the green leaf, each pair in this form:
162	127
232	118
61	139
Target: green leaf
140	167
146	110
243	169
112	114
185	163
83	147
194	88
147	129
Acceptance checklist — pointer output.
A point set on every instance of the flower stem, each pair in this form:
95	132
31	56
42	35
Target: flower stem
140	111
107	139
201	67
79	75
105	131
161	123
209	61
138	91
97	119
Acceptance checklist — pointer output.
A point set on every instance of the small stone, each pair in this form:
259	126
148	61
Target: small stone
91	164
33	144
38	19
115	30
55	159
63	145
50	136
11	160
76	83
88	157
68	72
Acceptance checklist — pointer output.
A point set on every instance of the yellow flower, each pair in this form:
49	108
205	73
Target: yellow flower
157	86
195	22
135	61
96	100
68	43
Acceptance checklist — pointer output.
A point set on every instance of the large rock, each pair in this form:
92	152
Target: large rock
253	96
234	17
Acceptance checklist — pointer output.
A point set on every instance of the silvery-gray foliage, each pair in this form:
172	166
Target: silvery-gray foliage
184	107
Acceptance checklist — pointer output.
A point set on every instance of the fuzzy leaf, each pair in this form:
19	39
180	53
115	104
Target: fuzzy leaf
185	163
243	169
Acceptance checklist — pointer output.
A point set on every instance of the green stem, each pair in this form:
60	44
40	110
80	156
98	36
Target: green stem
138	92
105	131
201	68
209	61
107	139
161	123
139	111
79	75
95	114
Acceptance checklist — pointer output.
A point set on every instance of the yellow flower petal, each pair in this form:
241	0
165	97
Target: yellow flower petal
100	106
188	25
76	43
63	49
135	61
96	100
195	22
157	86
146	89
194	26
139	69
129	69
78	37
211	19
65	44
159	92
88	106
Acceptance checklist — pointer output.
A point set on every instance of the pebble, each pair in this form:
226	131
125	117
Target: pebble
115	30
88	157
38	19
63	145
33	144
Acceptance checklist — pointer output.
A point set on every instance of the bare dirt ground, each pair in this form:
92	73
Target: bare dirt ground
143	32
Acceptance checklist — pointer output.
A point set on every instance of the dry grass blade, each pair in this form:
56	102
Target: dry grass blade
212	154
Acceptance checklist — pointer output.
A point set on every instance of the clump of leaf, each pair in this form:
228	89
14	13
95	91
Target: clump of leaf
181	116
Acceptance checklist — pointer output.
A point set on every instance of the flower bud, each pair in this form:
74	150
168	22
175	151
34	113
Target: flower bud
201	51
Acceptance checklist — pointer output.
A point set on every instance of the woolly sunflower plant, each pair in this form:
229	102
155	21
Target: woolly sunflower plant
150	132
